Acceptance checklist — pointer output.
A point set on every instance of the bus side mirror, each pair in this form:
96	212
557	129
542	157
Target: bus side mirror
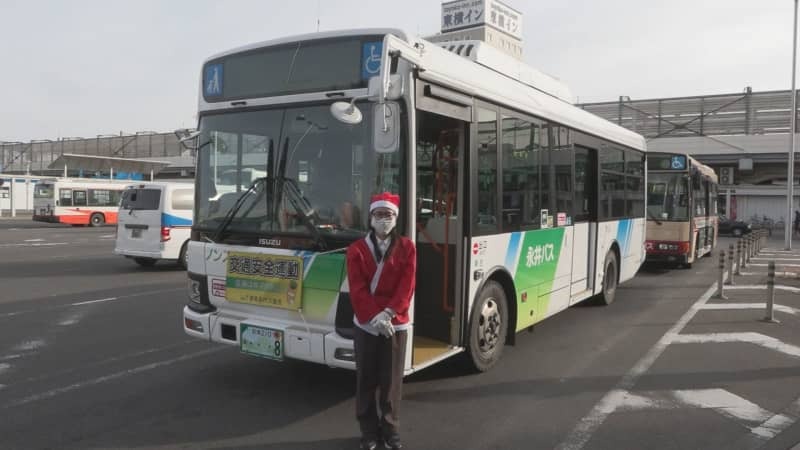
386	127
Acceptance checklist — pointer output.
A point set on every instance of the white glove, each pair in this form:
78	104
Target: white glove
383	322
386	329
382	316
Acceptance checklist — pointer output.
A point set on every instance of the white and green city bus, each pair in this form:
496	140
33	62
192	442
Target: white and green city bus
520	203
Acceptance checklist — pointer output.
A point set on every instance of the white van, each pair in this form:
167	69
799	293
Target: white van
154	222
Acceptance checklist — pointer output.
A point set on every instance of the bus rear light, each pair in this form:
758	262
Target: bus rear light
165	234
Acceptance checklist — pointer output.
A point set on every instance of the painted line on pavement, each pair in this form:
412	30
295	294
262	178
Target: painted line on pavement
728	306
583	431
756	287
746	338
56	308
89	302
99	380
35	244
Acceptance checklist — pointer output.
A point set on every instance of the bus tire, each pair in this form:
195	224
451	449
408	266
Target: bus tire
610	279
488	327
145	262
97	220
183	260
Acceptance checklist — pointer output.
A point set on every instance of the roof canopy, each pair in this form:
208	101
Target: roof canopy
92	163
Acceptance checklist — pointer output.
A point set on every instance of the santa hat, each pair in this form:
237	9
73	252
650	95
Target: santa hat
385	200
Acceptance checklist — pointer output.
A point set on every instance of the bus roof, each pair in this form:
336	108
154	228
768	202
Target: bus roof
462	74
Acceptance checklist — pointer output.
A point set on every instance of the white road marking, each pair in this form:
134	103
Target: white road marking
99	380
71	319
33	240
584	430
747	287
108	236
30	345
759	258
779	265
35	244
722	306
9	357
723	402
4	367
777	274
53	308
779	422
748	338
88	302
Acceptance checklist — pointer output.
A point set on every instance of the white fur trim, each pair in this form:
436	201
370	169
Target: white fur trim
384	204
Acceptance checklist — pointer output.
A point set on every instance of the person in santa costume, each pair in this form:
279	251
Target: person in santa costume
381	272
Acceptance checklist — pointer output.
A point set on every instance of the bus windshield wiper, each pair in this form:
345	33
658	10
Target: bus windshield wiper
303	207
235	208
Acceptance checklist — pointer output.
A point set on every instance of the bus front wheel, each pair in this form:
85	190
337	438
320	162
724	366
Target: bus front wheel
488	327
610	279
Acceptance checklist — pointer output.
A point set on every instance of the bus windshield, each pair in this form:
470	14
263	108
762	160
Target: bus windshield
668	196
316	170
43	191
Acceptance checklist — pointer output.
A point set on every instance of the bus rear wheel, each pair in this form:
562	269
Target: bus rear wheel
145	262
488	327
610	279
97	220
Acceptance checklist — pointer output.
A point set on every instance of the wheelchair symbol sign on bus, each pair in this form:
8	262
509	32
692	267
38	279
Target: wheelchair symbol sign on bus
371	59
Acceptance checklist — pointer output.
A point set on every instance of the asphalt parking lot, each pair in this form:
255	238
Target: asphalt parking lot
92	355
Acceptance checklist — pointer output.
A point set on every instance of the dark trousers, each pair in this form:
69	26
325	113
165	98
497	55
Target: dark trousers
379	373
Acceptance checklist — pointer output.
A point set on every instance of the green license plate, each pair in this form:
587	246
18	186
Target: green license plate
261	341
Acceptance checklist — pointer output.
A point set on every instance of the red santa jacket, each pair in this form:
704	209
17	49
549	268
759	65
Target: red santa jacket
395	286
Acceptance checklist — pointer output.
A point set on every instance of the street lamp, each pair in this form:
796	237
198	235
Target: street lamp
790	168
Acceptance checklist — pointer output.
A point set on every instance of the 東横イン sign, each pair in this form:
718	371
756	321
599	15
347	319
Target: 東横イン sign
464	14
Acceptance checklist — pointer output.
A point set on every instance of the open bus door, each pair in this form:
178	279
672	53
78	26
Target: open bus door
442	136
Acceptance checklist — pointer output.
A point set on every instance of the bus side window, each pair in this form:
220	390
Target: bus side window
65	195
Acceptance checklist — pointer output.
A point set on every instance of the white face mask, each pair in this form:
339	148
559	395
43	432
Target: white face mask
384	226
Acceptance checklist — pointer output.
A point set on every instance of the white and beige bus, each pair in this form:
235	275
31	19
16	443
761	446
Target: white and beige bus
520	203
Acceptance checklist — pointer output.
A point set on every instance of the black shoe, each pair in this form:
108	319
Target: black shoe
368	444
393	442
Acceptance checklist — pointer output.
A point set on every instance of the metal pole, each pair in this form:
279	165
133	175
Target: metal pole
790	167
770	317
744	254
730	265
739	257
721	280
11	194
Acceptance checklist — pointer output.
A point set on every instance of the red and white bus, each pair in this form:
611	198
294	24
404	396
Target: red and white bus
78	201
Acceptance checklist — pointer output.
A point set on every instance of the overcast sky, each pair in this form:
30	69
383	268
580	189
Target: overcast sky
89	67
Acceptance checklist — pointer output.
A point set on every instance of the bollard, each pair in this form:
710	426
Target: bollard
730	265
770	317
738	257
744	253
720	281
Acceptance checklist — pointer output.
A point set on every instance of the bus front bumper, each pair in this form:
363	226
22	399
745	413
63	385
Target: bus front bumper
300	342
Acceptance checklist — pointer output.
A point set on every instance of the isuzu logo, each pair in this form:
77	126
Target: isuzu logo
269	242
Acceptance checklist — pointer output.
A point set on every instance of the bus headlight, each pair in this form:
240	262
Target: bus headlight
193	291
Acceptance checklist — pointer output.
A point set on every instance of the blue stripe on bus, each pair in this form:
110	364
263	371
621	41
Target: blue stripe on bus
624	235
168	220
513	251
